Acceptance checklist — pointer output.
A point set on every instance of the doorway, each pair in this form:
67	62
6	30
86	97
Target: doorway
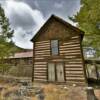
56	72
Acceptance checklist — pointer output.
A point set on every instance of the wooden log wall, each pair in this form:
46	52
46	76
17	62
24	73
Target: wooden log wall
69	54
71	50
42	50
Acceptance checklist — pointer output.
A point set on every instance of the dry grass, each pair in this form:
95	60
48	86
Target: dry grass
53	92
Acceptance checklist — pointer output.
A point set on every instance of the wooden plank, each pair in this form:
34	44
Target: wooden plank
73	69
76	82
74	62
75	79
41	56
38	58
71	48
42	51
44	46
40	63
42	42
74	72
70	42
39	70
76	53
74	45
68	75
40	80
70	51
75	37
41	74
73	65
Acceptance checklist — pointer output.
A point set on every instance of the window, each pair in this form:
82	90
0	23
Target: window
54	47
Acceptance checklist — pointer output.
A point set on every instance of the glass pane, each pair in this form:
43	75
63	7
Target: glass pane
54	43
54	51
54	47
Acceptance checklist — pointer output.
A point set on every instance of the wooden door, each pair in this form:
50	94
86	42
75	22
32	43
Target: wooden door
51	72
60	72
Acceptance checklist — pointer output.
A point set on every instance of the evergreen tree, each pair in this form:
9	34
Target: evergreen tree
88	19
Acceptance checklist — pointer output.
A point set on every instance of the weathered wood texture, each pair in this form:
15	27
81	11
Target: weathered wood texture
70	53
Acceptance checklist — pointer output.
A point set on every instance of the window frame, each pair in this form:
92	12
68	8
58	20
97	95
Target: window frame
51	52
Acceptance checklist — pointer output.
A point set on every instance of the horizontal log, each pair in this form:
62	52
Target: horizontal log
70	54
42	42
71	48
68	43
68	75
40	80
74	62
70	51
40	77
74	69
42	56
74	79
38	49
44	46
76	82
39	70
42	51
40	66
71	57
71	42
66	46
75	37
39	63
38	58
40	74
57	60
73	65
74	72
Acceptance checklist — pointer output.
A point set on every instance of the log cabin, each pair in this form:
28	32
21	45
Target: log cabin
20	64
57	55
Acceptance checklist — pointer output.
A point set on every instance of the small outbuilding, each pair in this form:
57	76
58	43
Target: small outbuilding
57	54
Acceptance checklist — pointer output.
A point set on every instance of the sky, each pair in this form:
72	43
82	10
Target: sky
27	16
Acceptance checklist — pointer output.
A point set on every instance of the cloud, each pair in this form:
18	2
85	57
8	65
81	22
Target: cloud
59	5
24	20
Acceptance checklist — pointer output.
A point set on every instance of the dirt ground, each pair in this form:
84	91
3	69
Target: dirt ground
12	90
50	92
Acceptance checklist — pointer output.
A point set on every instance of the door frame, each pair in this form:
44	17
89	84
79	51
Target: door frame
55	65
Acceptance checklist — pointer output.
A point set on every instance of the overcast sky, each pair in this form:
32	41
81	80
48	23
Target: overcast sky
27	16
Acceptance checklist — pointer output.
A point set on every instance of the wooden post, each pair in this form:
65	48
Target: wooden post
87	72
90	94
33	62
96	69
